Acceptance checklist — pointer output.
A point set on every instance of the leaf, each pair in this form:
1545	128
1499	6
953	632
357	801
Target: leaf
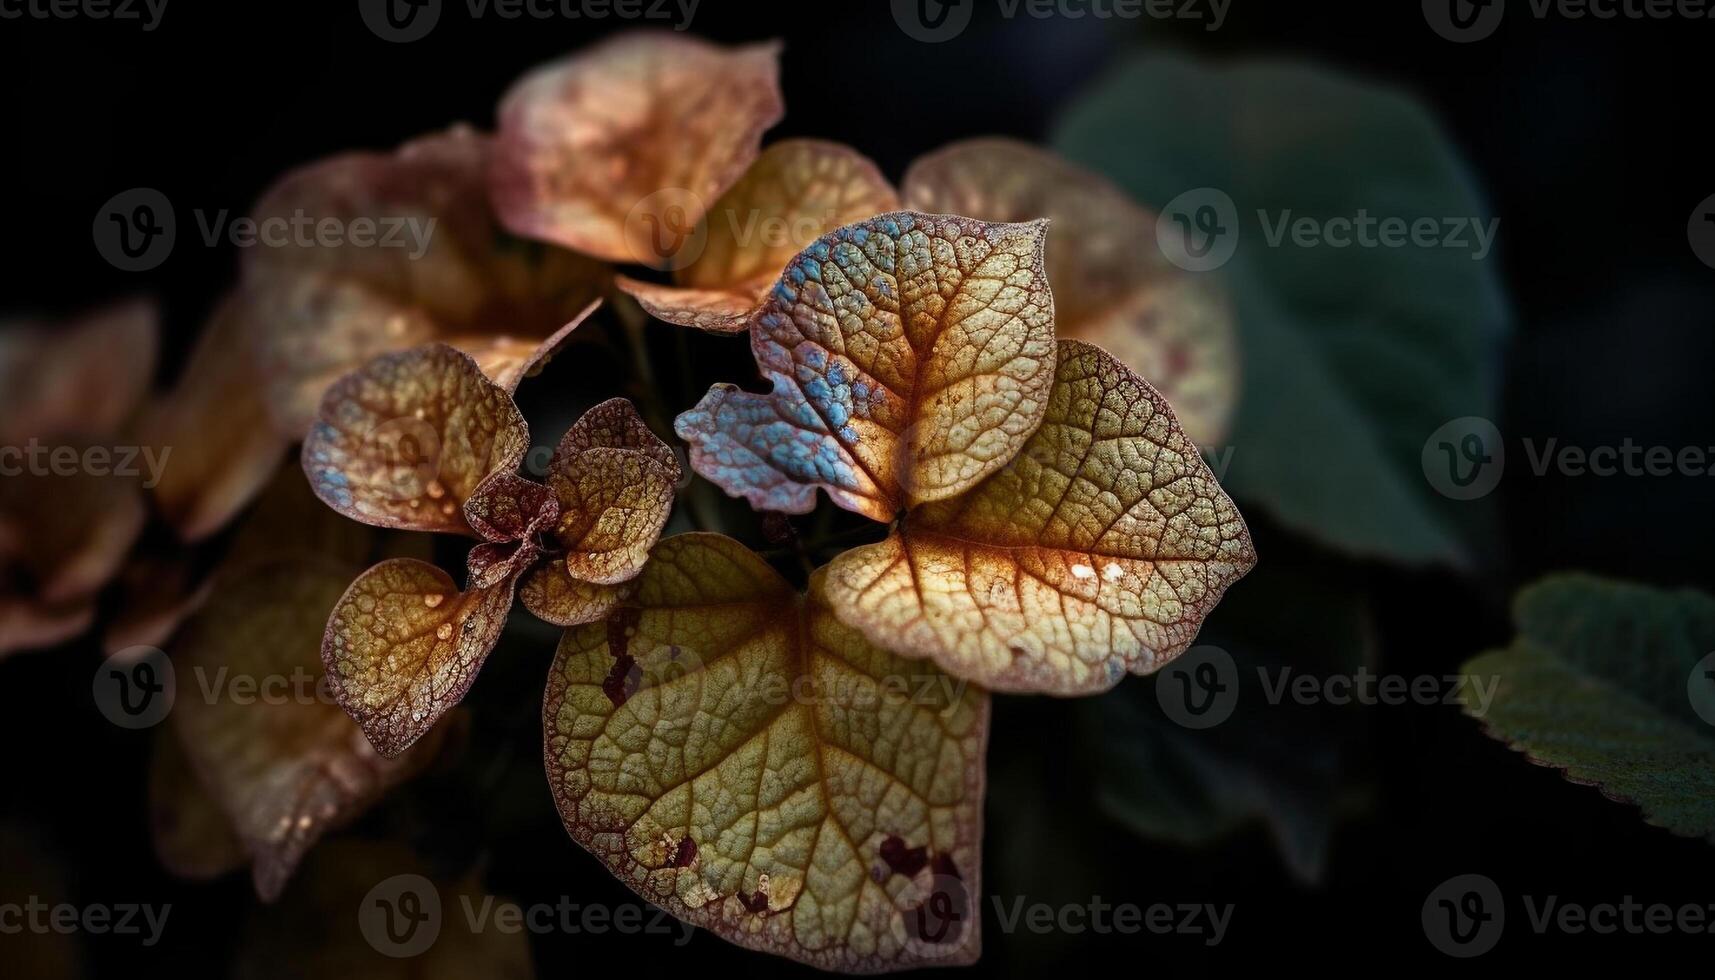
192	834
62	538
1369	349
615	483
1271	761
634	133
1605	681
1112	286
403	644
405	441
335	923
1098	550
63	380
910	356
797	191
285	765
441	268
737	756
223	448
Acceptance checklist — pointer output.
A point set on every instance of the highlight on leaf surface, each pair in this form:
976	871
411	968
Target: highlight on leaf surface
796	192
739	757
1613	684
910	356
404	441
1112	285
617	146
1098	550
282	761
424	259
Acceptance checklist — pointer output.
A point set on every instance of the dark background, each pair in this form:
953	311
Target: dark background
1585	136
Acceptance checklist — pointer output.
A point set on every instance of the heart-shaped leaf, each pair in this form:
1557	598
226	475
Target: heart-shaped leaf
740	758
633	135
1614	684
615	482
1369	348
1112	285
796	192
282	762
405	441
1099	549
910	356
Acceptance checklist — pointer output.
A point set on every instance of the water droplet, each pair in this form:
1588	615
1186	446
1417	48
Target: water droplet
1083	572
1113	572
433	600
445	632
436	491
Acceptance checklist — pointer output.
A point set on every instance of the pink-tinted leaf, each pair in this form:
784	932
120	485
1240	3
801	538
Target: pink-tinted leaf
634	135
316	310
65	380
224	449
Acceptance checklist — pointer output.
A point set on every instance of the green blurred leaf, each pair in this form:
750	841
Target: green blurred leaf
1282	764
1605	681
1352	356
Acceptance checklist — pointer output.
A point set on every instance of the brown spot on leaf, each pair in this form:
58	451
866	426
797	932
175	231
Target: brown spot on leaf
901	859
685	853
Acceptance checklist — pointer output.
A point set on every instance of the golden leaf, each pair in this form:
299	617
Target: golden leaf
1098	550
1112	286
629	136
910	356
405	441
796	192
